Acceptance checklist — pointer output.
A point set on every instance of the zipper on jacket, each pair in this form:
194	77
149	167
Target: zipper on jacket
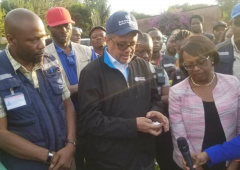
128	85
51	118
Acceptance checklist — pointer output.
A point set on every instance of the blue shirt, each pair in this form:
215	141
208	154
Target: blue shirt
113	63
69	64
227	151
94	55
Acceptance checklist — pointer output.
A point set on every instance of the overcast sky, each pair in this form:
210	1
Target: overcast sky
152	7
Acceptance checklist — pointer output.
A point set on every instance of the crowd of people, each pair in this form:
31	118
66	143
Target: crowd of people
122	104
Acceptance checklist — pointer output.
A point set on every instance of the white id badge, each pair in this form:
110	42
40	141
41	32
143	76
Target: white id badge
14	101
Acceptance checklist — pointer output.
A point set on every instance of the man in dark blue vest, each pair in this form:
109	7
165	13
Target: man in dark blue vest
37	117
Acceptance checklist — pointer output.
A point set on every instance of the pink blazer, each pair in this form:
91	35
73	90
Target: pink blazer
186	112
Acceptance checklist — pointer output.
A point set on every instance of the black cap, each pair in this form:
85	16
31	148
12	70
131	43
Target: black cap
94	28
220	23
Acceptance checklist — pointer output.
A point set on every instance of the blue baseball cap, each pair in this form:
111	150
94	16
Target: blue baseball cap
236	11
121	23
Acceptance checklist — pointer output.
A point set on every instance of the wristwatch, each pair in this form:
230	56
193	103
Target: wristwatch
71	141
49	158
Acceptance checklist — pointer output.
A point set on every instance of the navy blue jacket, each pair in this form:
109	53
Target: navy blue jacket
226	54
42	120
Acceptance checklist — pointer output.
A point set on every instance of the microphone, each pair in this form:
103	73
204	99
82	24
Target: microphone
183	147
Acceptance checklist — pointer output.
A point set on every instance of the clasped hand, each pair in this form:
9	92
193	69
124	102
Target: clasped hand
145	124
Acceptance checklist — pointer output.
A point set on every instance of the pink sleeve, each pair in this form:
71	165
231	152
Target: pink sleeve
177	125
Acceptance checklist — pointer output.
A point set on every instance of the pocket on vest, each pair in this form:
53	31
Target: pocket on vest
29	129
55	80
17	87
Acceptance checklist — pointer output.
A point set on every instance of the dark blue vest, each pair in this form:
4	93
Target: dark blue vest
42	120
226	54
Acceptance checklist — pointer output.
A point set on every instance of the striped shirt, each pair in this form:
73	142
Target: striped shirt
31	76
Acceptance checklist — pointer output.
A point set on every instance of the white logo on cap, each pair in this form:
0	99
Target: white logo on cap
126	21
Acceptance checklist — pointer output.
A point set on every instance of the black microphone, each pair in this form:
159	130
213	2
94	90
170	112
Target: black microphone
183	147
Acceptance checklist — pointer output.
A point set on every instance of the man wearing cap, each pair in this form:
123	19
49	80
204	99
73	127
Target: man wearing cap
118	103
72	57
97	40
229	50
37	117
218	30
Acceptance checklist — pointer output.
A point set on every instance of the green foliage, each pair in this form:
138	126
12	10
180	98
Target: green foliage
100	11
82	17
185	7
227	6
2	14
139	15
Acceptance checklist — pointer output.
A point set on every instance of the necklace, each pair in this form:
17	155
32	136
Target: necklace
204	84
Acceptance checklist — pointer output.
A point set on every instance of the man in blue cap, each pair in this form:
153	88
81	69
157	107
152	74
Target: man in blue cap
119	102
229	50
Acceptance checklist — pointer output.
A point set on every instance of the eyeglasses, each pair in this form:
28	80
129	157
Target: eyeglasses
123	46
200	64
236	23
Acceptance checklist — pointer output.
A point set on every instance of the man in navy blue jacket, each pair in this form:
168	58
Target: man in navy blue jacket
117	96
229	50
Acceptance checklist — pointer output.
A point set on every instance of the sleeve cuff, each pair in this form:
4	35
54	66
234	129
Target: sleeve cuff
132	128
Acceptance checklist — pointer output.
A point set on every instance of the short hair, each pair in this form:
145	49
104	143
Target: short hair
77	29
153	29
198	45
200	17
144	37
95	28
182	35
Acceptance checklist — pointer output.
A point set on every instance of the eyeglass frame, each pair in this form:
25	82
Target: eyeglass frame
131	46
196	64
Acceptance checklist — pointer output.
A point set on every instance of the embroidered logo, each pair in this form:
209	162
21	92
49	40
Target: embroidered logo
140	79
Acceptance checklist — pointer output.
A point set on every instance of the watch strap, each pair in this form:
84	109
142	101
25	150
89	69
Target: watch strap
49	158
71	141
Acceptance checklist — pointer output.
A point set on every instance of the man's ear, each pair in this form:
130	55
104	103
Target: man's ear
11	40
48	27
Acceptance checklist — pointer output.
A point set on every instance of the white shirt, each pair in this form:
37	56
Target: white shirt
121	67
236	64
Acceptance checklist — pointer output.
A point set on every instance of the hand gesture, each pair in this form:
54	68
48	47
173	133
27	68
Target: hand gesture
157	116
63	158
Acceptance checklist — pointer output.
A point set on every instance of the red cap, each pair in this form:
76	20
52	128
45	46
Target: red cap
58	16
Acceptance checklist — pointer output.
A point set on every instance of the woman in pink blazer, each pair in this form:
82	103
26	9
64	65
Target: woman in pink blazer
205	107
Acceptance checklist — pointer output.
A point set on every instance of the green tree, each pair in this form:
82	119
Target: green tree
2	14
40	7
227	6
139	15
185	7
82	17
100	11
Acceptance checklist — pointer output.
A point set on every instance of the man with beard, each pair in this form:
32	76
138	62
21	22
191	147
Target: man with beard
72	57
165	61
97	39
37	117
196	24
218	30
